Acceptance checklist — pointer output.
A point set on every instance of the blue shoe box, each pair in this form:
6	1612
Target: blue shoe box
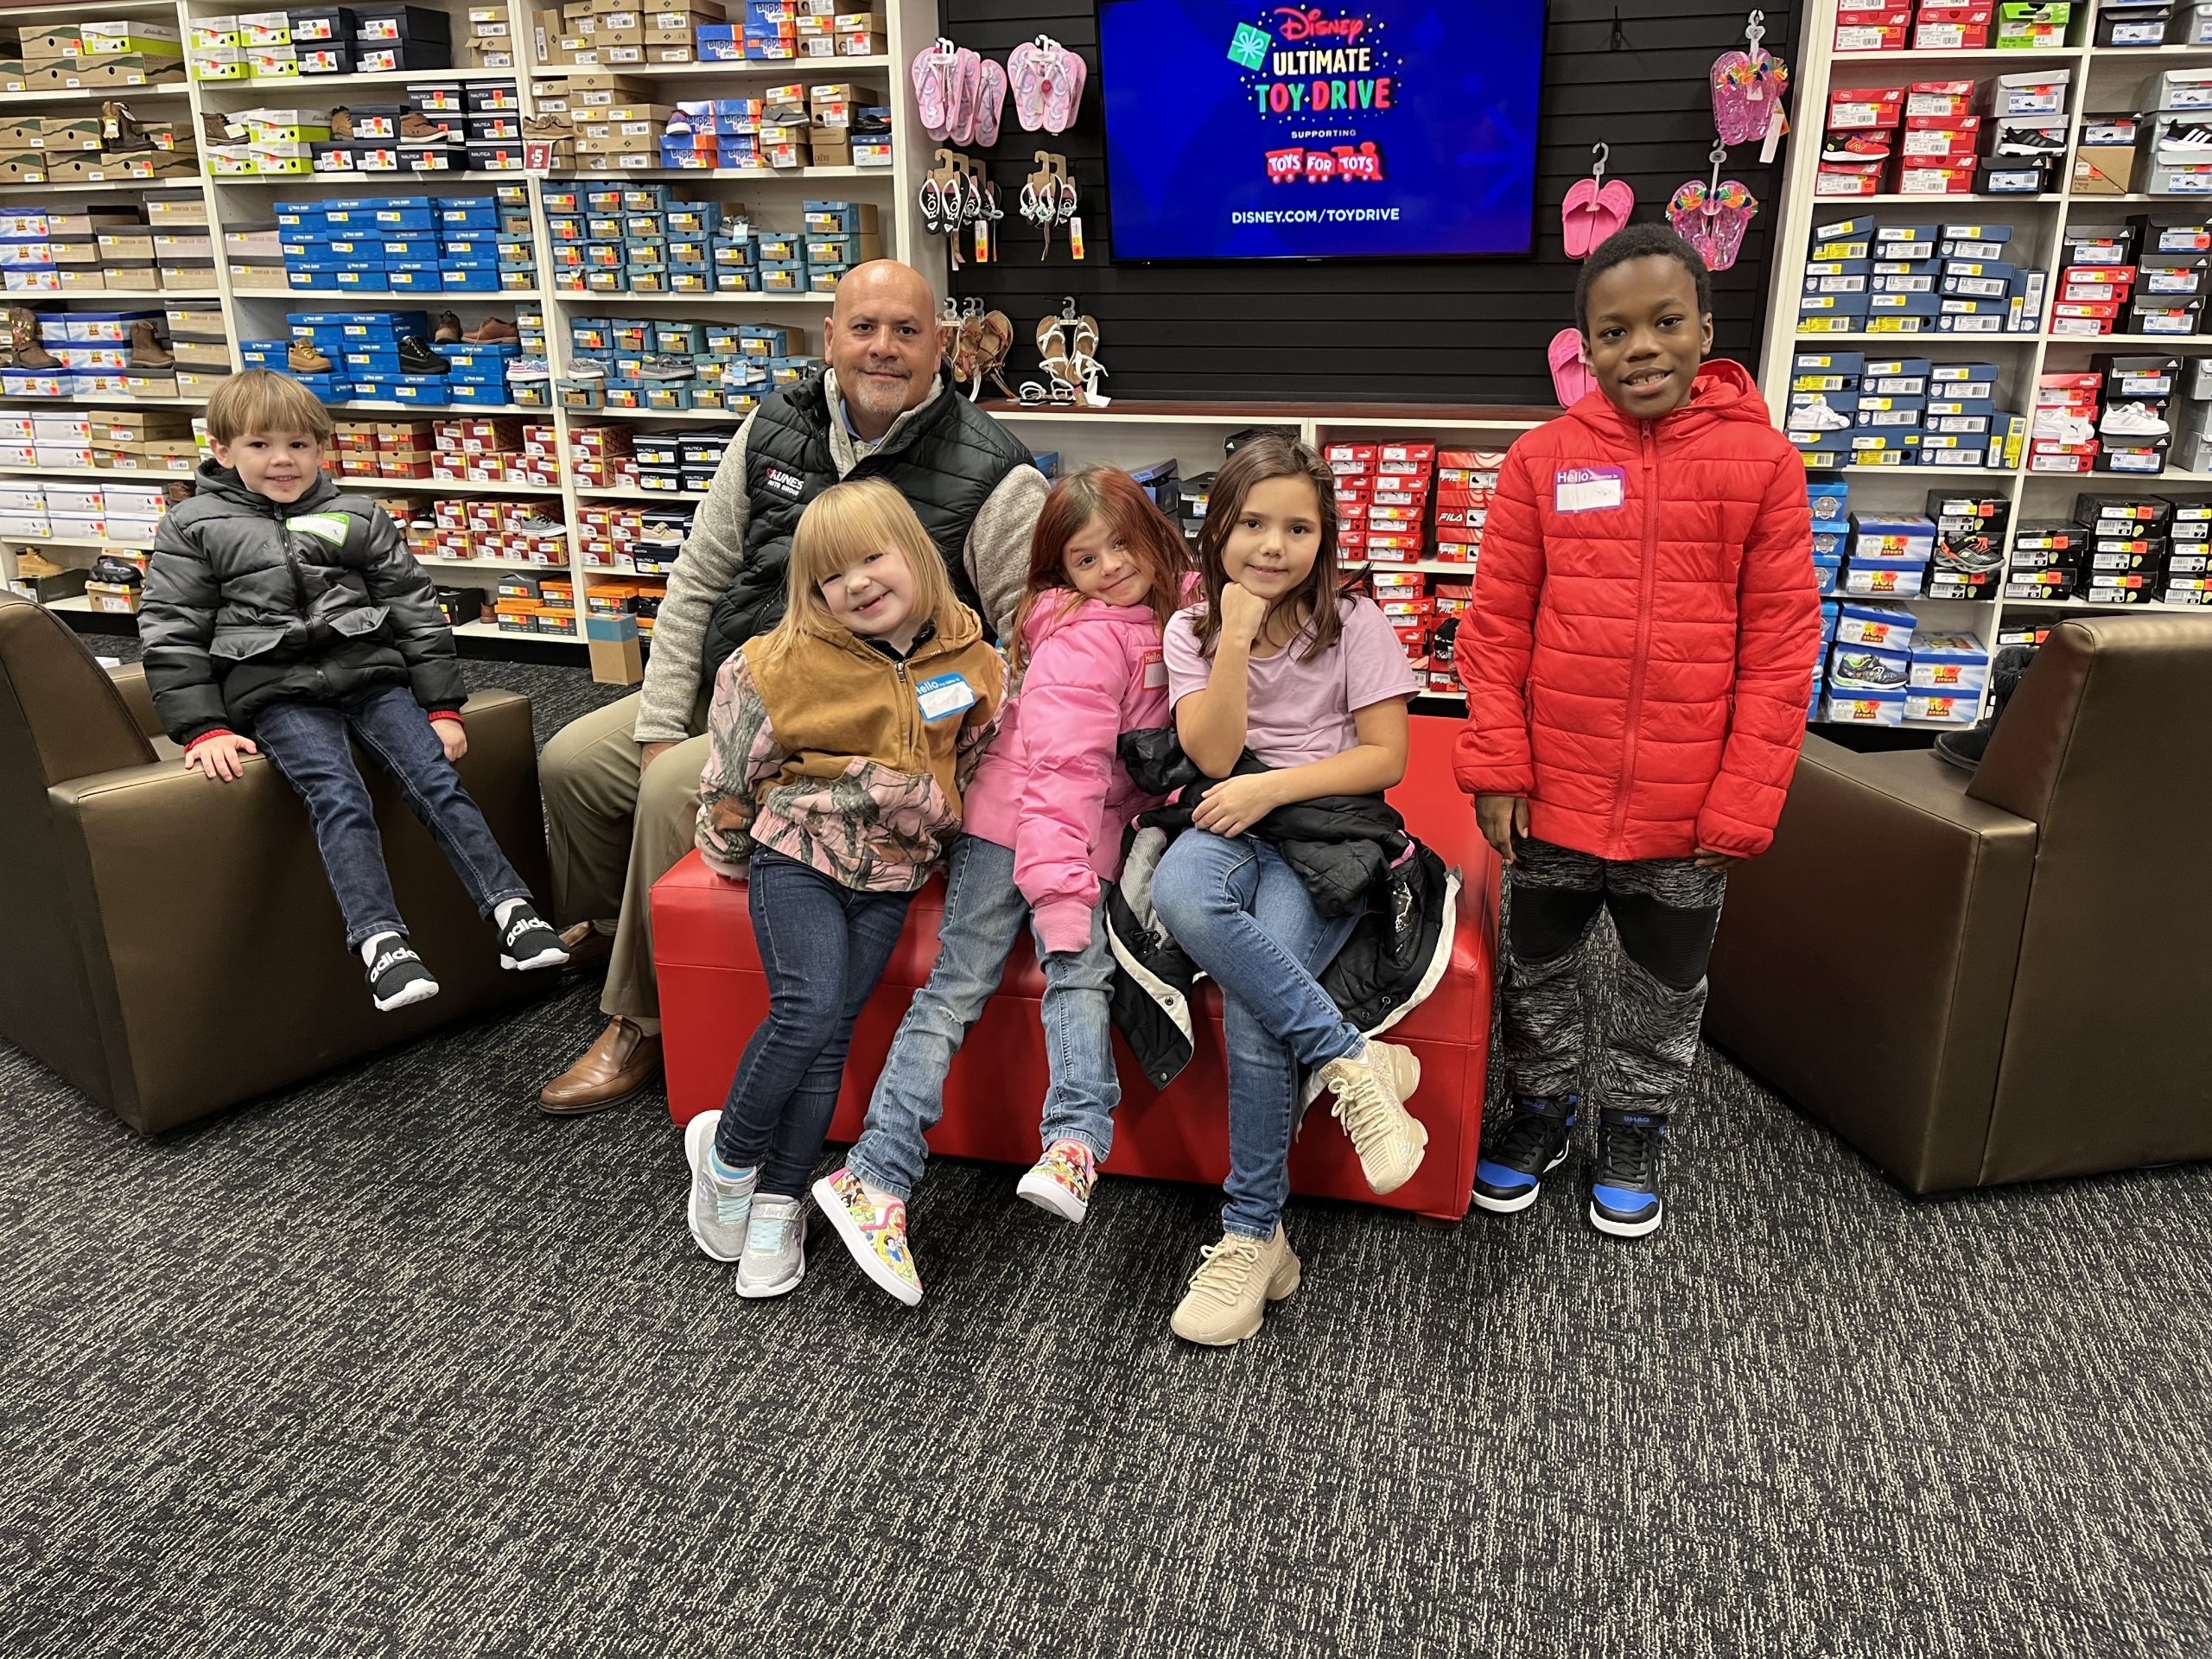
472	282
327	388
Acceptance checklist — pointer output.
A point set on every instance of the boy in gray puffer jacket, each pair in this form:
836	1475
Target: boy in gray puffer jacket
277	607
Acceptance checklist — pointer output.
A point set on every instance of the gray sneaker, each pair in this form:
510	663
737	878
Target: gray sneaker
775	1247
719	1210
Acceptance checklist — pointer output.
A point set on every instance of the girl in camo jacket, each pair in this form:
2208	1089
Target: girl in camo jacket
840	745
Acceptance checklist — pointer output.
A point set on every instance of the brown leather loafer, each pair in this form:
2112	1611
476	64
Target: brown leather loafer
587	946
620	1063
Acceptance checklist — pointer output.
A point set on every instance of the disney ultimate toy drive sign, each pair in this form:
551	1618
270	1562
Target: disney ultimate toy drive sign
1398	128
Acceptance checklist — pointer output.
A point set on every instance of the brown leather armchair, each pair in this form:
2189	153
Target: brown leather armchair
171	945
2005	976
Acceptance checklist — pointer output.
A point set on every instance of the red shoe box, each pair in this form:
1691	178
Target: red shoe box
1872	29
1851	108
1926	176
1838	179
1940	143
1947	102
1952	27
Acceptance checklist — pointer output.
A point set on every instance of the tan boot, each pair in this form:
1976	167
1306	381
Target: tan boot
1371	1087
23	336
304	357
147	351
1231	1291
622	1061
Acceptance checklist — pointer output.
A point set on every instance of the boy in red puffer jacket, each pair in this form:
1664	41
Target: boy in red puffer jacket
1637	661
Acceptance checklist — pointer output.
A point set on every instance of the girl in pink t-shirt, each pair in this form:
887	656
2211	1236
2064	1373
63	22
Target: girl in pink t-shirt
1313	687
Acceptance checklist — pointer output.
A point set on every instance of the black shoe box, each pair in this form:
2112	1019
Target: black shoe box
326	58
495	157
2123	515
380	25
390	57
490	98
2045	585
322	24
332	158
1973	586
500	128
2136	377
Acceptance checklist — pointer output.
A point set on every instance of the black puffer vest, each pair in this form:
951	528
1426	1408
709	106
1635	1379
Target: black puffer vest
946	461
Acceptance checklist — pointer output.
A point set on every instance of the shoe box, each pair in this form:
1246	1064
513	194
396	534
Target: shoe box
410	245
2117	549
1951	26
663	363
1864	275
1861	409
1882	669
2005	137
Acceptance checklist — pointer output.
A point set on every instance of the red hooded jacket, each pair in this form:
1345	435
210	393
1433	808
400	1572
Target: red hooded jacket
1640	649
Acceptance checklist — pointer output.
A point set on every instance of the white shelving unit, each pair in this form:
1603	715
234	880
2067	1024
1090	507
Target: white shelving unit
2104	78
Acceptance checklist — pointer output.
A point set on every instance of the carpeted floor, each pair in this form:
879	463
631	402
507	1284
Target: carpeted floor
393	1365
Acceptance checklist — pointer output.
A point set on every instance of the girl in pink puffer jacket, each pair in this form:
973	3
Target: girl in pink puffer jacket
1044	816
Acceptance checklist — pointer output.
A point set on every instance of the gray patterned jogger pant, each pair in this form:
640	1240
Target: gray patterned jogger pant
1666	911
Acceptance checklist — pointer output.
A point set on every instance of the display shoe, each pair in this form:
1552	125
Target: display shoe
1854	146
445	329
2134	421
525	369
667	366
1815	415
122	572
24	338
1526	1147
1864	670
1624	1197
303	358
342	122
415	356
537	525
2059	427
552	127
147	351
121	132
420	128
493	331
35	565
215	129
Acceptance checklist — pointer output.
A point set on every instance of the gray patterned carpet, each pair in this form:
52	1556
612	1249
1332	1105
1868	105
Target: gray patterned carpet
393	1365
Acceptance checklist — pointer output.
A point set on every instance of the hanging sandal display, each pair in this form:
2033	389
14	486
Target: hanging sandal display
1713	216
1594	208
1047	82
1748	88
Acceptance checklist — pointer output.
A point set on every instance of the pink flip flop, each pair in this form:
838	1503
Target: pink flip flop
991	110
1065	91
1027	73
1591	212
966	85
932	91
1571	380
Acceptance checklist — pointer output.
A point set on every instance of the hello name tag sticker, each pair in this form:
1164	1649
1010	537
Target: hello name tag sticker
1589	489
1155	671
948	694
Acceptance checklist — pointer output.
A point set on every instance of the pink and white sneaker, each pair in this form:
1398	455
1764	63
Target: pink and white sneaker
1061	1180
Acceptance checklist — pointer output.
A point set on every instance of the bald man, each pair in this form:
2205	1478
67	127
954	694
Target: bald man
622	785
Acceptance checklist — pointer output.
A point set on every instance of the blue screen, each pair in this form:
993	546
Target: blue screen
1239	130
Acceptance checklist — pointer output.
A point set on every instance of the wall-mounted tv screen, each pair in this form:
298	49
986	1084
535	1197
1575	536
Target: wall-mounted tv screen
1239	130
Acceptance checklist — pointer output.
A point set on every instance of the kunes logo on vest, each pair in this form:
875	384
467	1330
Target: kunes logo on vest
788	484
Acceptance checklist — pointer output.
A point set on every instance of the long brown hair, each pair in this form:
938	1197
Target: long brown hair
1313	605
1076	500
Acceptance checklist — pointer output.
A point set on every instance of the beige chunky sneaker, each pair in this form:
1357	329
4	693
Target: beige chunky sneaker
1232	1288
1371	1087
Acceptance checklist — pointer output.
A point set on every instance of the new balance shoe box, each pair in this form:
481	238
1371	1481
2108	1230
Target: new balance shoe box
1939	28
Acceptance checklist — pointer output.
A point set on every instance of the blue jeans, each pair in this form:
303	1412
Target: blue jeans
984	914
1245	918
823	945
307	743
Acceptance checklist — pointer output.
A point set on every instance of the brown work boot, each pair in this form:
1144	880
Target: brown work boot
306	358
342	122
1231	1291
446	329
493	331
23	336
418	126
147	351
623	1061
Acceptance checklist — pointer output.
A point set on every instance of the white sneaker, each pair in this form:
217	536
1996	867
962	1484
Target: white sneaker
2059	427
775	1249
1817	416
718	1210
2133	421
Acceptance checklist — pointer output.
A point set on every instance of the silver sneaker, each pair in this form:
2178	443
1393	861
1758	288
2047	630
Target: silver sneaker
718	1210
775	1247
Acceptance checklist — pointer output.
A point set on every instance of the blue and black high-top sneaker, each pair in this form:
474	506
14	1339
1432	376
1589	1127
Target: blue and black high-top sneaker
1624	1197
1517	1158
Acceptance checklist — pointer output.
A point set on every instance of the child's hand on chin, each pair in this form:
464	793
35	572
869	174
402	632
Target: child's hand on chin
1244	612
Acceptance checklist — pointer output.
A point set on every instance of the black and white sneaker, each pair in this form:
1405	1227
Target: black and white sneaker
1624	1197
526	942
397	976
1520	1152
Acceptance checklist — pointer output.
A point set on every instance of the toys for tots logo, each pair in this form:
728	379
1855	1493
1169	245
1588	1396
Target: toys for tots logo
1315	73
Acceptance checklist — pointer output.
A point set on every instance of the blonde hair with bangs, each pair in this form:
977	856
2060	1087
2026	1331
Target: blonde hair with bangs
840	525
263	400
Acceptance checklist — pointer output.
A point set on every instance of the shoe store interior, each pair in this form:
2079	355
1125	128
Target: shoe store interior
605	605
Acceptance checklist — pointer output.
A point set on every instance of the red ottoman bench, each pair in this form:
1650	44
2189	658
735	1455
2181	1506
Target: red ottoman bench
713	993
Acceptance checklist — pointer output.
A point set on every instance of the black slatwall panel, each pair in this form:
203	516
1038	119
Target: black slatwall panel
1427	331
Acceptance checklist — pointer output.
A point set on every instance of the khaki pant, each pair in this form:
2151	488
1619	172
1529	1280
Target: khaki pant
613	834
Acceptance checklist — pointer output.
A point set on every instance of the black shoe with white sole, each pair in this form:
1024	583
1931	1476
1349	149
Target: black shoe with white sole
1515	1160
1624	1197
397	976
526	942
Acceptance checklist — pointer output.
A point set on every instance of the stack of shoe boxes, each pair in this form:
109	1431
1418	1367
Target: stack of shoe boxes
639	238
2096	279
1928	138
1947	676
409	245
99	148
1948	26
1888	556
512	531
310	41
1831	612
2177	157
677	463
73	58
770	30
1917	279
601	457
644	540
2129	539
490	39
1969	544
1829	500
2185	578
665	363
2045	560
2148	275
2133	427
839	235
714	133
1869	665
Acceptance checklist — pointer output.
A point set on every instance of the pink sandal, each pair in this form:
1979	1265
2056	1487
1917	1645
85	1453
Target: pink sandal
1594	209
991	110
933	88
1571	380
1065	95
967	79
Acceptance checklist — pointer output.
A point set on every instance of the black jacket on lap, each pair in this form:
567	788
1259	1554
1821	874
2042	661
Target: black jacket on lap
1353	852
249	601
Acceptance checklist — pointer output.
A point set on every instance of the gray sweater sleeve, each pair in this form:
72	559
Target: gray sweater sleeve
712	555
998	545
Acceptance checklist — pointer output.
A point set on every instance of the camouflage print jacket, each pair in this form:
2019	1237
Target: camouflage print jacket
841	756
